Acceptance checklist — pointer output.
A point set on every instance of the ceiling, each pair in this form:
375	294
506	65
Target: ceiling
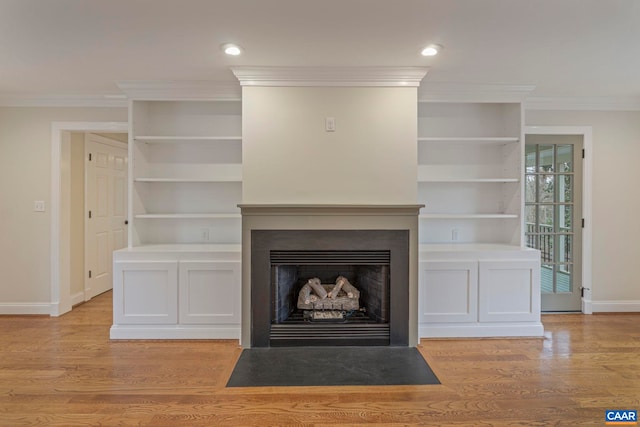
565	48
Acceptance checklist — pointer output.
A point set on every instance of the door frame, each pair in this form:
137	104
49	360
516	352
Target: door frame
587	188
60	261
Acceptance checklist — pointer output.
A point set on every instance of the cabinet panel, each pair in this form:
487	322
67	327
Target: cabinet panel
509	291
145	292
448	291
209	292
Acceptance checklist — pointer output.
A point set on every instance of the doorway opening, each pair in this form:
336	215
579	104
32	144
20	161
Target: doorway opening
62	298
555	214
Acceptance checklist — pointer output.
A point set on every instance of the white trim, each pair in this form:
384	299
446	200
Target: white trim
187	90
77	298
476	330
19	308
587	190
24	100
330	76
630	103
615	306
61	290
457	92
191	332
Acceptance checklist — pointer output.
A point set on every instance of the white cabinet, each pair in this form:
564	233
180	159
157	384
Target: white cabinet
186	177
208	292
146	292
177	292
448	291
509	291
479	290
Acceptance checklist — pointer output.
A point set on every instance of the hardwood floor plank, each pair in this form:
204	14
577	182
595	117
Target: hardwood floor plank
66	372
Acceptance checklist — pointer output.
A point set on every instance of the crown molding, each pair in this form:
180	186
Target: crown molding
460	92
631	103
8	99
188	90
330	76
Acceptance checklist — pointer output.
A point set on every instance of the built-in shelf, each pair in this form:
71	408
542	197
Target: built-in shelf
469	180
469	139
468	216
184	247
193	180
179	139
189	216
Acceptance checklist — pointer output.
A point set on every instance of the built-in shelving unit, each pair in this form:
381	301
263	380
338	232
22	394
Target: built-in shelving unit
186	178
469	172
180	276
476	277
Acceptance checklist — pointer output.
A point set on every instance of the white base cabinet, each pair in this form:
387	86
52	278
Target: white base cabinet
177	292
477	290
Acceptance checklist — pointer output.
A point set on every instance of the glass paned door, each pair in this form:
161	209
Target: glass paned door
553	167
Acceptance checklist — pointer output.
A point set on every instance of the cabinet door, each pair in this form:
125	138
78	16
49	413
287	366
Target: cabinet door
509	291
448	291
145	293
209	292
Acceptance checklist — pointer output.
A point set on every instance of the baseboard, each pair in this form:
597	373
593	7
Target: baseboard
25	308
614	306
173	332
476	330
77	298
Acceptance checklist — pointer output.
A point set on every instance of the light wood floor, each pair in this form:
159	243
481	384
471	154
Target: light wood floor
66	372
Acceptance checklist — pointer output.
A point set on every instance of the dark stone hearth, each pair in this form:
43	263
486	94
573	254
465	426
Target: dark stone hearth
264	367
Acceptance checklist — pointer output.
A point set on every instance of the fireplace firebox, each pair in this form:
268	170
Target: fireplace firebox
364	276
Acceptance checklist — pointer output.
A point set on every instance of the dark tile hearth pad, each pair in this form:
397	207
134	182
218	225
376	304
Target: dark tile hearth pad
331	366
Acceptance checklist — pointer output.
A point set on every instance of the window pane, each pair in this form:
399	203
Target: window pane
565	218
565	189
532	241
563	278
546	247
530	217
530	188
546	279
545	218
530	158
546	159
564	162
545	188
565	248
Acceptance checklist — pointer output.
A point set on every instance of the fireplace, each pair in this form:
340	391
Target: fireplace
374	264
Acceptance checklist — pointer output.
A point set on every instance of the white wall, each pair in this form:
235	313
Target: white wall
288	157
616	202
25	176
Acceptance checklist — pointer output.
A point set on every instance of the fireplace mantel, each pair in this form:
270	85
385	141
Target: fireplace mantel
329	217
328	209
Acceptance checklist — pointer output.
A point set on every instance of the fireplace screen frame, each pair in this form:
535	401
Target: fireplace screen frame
263	242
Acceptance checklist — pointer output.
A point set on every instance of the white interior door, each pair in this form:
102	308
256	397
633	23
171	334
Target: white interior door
106	210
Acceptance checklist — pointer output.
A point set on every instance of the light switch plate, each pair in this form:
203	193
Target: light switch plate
38	206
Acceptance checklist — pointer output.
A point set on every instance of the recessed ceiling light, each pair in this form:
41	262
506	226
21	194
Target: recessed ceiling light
431	50
231	49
